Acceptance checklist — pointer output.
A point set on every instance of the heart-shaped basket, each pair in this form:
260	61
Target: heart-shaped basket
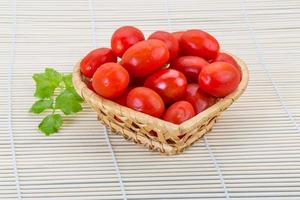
154	133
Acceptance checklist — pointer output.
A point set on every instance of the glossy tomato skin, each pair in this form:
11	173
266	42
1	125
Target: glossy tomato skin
124	37
190	66
224	57
178	35
145	57
145	100
219	79
199	43
110	80
199	100
170	84
94	59
179	112
122	100
170	41
89	85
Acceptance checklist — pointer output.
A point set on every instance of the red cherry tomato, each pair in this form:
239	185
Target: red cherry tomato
110	80
199	43
198	98
170	84
190	66
224	57
179	112
125	37
169	40
90	63
145	100
178	35
145	57
89	85
219	79
122	100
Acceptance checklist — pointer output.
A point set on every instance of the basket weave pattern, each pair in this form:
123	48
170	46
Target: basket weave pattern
154	133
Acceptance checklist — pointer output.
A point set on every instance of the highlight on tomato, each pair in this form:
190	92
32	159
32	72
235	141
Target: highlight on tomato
219	79
199	43
146	100
145	57
170	41
124	37
110	80
94	59
170	84
190	66
224	57
199	99
179	112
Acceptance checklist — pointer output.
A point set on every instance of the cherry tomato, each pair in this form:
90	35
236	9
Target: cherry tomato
190	66
224	57
198	98
122	100
110	80
199	43
89	85
178	35
169	40
170	84
219	79
145	57
90	63
179	112
124	37
145	100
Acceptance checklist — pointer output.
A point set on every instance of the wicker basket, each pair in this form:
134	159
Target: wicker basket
154	133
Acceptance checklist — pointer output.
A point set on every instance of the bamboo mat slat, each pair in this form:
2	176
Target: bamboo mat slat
253	151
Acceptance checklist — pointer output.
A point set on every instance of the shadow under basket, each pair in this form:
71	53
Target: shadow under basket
154	133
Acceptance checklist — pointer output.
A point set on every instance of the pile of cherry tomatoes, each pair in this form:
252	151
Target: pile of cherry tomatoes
172	76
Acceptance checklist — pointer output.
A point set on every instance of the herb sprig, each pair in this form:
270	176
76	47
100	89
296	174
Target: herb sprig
55	92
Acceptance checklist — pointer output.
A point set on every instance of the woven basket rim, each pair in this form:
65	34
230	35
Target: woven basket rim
222	104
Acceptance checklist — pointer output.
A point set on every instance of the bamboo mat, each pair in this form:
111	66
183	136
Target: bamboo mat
253	151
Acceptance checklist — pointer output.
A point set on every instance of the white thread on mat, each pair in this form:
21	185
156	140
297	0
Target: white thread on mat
215	162
217	167
10	131
116	165
122	187
93	24
168	15
259	54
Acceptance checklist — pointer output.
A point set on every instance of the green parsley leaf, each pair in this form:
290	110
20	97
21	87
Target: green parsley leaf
46	83
69	86
68	80
54	76
68	102
51	124
76	96
41	105
44	87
